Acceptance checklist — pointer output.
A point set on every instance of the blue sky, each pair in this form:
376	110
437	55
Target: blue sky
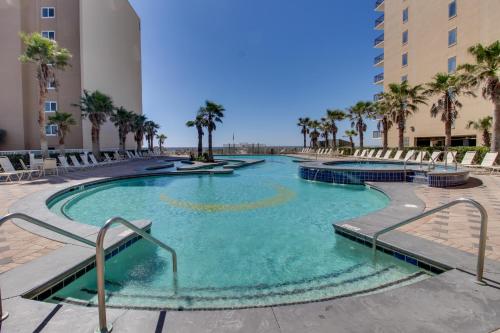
267	61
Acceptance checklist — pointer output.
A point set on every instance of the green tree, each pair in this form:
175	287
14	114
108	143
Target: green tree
350	134
325	128
403	100
484	126
357	114
303	123
139	130
485	72
199	122
47	57
382	113
448	88
151	129
123	120
161	140
96	107
212	114
313	132
334	116
64	121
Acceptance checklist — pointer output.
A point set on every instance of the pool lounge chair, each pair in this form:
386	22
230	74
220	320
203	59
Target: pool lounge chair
370	154
50	165
397	157
488	162
76	163
85	160
421	156
435	156
356	153
96	163
409	155
387	154
8	169
28	171
450	157
65	165
108	158
468	160
378	154
363	153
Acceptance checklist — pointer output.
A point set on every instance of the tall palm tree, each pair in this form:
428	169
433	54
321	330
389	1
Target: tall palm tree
357	114
123	119
212	113
150	129
350	134
64	121
484	125
303	123
139	129
485	72
97	107
199	122
403	101
313	132
48	57
333	116
448	87
382	113
161	140
325	127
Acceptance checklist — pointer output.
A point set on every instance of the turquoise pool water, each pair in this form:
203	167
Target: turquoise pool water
389	166
261	236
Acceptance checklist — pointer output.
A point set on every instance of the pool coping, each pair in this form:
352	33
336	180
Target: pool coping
18	281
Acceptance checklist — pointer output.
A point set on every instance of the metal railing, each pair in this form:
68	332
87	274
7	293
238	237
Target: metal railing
32	220
482	235
100	260
379	40
378	78
379	20
378	59
378	3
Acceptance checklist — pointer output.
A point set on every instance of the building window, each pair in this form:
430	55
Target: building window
49	34
452	9
452	37
405	15
48	12
51	85
406	141
377	134
404	78
452	64
51	130
50	106
404	59
405	37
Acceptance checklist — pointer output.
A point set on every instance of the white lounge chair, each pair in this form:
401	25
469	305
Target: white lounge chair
65	165
397	157
50	165
409	155
363	153
356	153
28	171
85	160
8	168
489	162
387	154
451	157
435	156
378	155
422	154
96	163
468	160
76	163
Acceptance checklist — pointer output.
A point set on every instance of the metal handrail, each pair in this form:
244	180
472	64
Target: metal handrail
32	220
100	260
482	235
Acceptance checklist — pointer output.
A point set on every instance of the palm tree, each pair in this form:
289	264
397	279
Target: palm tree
483	125
384	122
485	72
212	114
357	115
199	123
448	87
97	107
334	116
123	119
325	128
350	134
403	100
139	129
313	132
303	123
64	121
47	57
161	140
151	128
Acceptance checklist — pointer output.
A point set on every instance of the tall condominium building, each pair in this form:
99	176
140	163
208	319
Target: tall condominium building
423	37
104	38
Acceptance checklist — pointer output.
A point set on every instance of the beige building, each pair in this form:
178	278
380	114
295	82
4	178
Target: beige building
104	38
419	38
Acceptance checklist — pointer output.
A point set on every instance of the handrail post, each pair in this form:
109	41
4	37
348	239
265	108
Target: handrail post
482	235
3	315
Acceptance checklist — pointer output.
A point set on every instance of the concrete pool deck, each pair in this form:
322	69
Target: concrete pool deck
450	302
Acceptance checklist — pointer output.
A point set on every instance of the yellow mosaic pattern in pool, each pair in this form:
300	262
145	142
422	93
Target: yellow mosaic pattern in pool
283	195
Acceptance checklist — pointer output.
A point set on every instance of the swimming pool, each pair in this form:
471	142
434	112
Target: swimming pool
261	236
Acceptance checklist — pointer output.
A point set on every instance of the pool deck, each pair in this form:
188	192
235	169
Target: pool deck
450	302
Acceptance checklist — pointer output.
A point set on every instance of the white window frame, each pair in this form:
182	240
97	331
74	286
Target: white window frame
51	126
456	37
48	8
48	32
455	69
51	103
50	86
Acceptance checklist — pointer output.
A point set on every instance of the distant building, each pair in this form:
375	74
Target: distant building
104	38
422	38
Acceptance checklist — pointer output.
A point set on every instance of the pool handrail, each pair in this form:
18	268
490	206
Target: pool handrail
482	234
100	261
45	225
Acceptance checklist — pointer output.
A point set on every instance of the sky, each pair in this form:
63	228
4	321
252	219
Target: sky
268	62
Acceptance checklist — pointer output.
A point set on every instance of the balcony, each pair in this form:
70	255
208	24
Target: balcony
379	78
377	97
379	41
379	5
379	60
379	23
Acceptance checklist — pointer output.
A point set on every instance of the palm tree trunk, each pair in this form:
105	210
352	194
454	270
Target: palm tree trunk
486	138
386	136
447	131
361	136
200	142
44	147
210	153
327	144
138	145
334	139
95	141
352	142
305	134
495	142
401	129
61	146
